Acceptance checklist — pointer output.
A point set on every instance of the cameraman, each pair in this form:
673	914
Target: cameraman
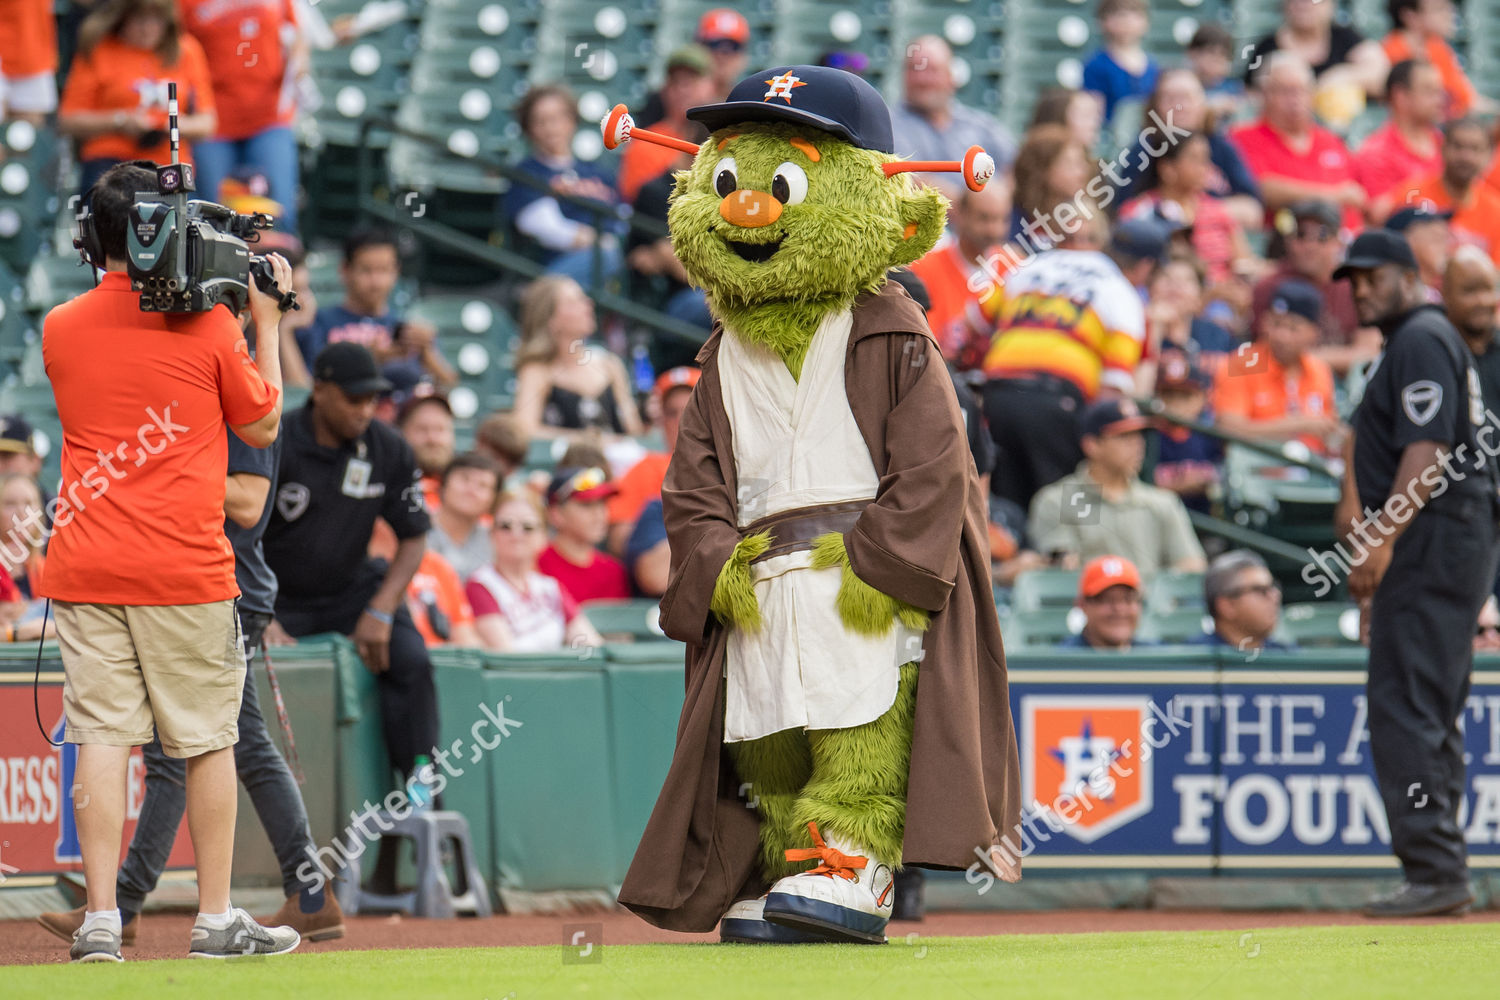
139	571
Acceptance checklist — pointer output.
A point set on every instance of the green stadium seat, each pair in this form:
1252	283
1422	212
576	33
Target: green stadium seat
1045	588
1174	627
1169	590
1040	628
1323	624
634	620
53	280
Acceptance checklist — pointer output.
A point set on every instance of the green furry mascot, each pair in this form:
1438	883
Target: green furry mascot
847	709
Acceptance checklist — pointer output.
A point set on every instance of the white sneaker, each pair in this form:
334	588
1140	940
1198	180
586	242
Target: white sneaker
745	922
847	897
241	938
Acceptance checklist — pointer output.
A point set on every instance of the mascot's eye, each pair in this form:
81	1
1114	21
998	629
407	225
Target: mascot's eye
789	186
725	180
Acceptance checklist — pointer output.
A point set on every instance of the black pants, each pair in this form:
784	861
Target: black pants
408	697
1421	656
1035	426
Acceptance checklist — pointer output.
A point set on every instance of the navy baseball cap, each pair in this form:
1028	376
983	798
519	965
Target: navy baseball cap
828	99
1297	298
1113	416
1375	247
1145	238
1177	372
16	435
1403	220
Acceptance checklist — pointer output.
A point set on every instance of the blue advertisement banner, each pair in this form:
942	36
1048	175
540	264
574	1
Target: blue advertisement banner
1174	762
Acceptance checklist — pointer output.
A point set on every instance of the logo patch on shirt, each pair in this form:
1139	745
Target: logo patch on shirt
291	500
1421	400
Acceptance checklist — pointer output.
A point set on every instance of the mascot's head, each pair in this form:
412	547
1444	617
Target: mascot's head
797	197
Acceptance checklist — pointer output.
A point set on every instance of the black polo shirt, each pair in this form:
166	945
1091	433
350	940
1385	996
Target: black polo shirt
1420	389
327	502
1487	364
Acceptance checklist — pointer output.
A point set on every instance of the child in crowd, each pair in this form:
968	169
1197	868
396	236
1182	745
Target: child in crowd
1176	316
406	350
1188	463
1210	55
580	522
1121	69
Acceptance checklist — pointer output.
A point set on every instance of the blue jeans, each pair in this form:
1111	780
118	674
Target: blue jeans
273	152
262	771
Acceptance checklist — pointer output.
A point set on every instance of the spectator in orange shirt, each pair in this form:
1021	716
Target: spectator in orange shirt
440	610
254	50
981	220
642	483
1409	144
426	422
1275	389
688	85
1421	30
115	103
28	61
1458	187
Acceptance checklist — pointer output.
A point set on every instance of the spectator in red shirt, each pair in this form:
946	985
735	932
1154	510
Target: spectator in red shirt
1409	144
981	220
580	522
1459	187
254	50
1309	237
1290	154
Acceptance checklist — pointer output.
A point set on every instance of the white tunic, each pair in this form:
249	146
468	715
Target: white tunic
796	445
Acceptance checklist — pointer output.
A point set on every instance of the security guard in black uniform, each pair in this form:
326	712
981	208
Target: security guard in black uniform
1420	503
340	471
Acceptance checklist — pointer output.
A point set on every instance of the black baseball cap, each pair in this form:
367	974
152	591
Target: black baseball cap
17	435
1375	247
1113	416
828	99
1145	238
1296	297
1403	220
351	367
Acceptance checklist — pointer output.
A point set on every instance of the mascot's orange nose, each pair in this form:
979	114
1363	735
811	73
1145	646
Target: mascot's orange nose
750	209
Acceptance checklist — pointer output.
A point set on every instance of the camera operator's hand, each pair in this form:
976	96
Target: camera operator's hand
265	308
372	640
275	635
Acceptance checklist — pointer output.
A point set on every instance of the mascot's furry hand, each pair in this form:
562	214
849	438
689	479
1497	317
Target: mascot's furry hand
863	608
733	599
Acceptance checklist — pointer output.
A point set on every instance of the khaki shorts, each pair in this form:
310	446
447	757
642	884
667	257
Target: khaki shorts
125	666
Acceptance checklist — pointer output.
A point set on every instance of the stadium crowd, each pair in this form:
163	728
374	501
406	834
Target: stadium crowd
1109	314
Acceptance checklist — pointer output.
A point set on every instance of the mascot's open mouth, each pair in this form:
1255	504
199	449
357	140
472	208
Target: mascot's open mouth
756	253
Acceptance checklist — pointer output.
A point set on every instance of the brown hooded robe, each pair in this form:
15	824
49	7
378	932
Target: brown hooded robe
924	541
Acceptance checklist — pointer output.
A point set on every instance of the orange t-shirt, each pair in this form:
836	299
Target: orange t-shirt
246	59
1477	221
643	162
1456	84
436	579
143	399
1267	391
120	77
28	45
638	487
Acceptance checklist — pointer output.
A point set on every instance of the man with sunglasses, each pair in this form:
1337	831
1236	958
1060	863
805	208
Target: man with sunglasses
1309	232
1244	602
725	33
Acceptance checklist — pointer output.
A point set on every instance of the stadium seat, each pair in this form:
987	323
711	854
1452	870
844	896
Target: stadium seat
1323	624
633	620
1174	627
1168	591
52	280
1045	588
1040	628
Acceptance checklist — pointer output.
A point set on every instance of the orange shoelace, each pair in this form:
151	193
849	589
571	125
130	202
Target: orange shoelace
830	861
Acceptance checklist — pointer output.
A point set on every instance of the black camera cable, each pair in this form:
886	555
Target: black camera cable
36	678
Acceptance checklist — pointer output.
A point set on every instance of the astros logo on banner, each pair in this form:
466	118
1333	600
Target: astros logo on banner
1081	761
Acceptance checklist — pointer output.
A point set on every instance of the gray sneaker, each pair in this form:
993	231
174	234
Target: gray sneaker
242	937
95	944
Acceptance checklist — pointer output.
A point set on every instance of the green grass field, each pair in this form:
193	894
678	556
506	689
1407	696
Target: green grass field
1324	963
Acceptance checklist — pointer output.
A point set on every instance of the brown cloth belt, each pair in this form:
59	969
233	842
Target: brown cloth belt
795	530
